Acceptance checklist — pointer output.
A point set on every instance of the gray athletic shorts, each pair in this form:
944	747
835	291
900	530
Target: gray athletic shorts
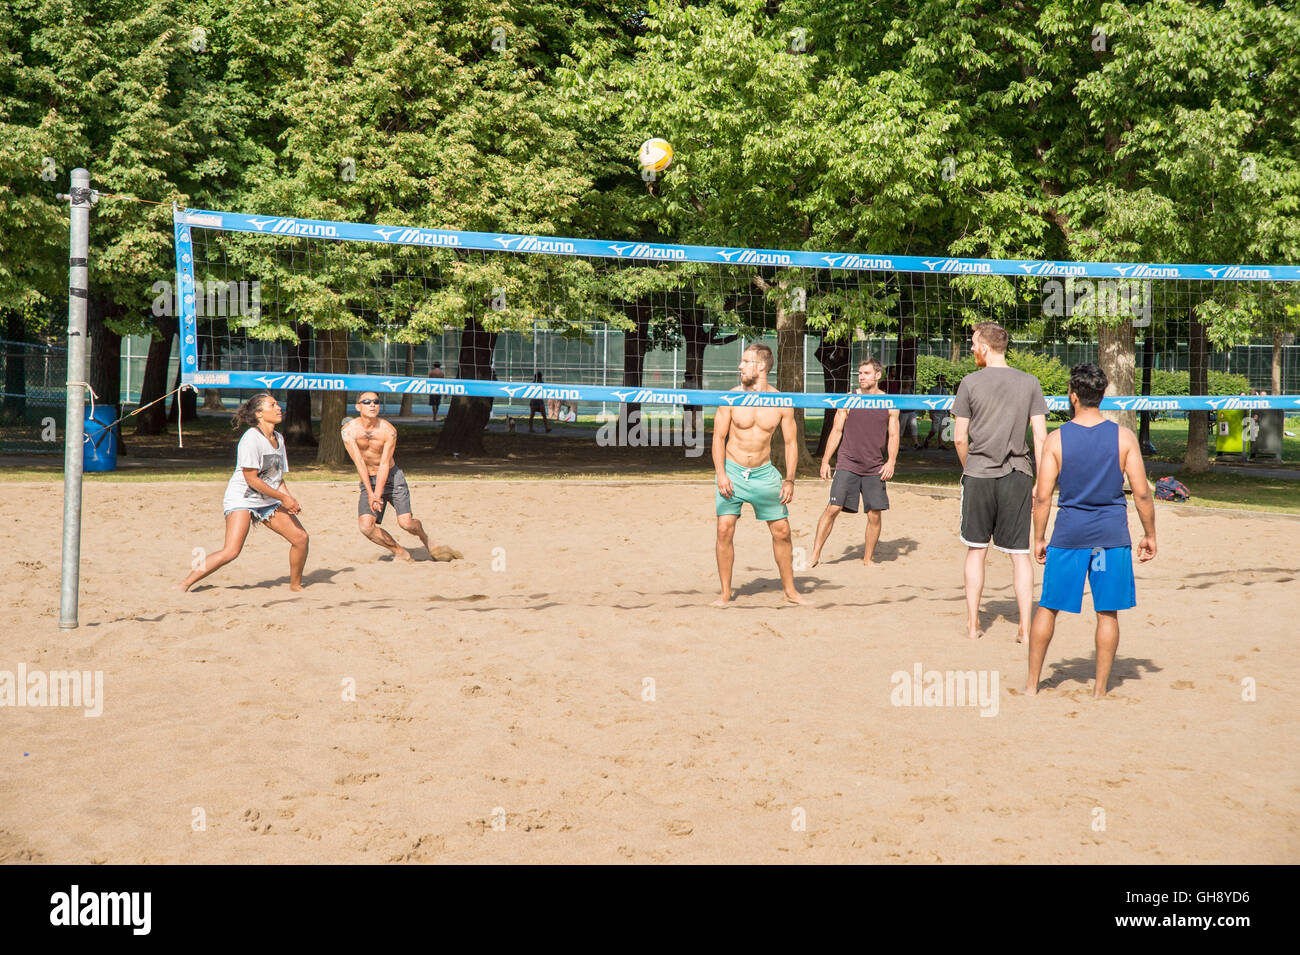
396	493
847	487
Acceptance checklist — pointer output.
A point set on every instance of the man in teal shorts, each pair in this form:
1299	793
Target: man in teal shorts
742	459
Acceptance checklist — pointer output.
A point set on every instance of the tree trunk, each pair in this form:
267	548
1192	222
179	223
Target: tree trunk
958	343
15	387
105	347
1277	359
153	419
297	404
211	396
905	371
789	378
835	357
697	339
1116	356
405	410
462	430
183	402
635	345
332	358
1148	364
1197	459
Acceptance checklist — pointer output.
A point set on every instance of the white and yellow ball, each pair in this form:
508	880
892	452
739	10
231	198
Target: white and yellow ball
656	154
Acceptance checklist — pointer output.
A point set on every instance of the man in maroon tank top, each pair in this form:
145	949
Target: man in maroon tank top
867	440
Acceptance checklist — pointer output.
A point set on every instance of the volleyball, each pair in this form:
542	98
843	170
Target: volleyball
656	154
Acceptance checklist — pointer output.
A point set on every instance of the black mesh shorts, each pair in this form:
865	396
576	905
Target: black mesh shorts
999	510
847	487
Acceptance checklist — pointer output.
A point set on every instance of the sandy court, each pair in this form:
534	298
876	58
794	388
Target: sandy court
523	688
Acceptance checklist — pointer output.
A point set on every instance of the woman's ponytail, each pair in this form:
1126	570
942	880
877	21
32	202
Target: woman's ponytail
246	413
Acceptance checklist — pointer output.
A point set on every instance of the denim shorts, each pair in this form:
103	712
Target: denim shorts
260	514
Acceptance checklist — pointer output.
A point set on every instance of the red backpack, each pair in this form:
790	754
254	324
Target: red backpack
1170	489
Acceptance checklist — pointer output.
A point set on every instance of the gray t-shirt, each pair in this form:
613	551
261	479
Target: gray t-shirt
999	403
272	464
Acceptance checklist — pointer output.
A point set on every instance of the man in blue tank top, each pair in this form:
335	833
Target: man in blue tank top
1090	540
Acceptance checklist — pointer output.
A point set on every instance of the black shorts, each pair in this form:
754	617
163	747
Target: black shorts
847	487
997	509
396	492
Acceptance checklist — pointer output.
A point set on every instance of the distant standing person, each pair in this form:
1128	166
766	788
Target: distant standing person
372	442
1090	540
257	493
867	440
938	417
994	406
907	420
434	399
537	407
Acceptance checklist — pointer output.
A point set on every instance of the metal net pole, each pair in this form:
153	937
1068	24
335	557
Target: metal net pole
81	200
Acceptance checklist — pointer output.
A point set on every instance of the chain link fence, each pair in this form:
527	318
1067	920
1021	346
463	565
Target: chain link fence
34	375
34	378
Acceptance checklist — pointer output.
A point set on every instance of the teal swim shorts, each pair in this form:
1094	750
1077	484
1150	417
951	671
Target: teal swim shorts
760	487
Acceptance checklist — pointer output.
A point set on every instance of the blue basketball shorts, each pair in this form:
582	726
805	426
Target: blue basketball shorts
1108	572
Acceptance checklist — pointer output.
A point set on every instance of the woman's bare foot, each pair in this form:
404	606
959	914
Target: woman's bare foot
973	633
723	601
182	587
296	588
795	598
1022	637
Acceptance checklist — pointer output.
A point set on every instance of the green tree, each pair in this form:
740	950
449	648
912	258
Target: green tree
1191	116
130	90
437	114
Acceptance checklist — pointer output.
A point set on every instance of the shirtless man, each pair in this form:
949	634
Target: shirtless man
371	441
742	452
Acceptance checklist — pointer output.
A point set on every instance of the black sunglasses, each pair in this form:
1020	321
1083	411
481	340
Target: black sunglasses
368	401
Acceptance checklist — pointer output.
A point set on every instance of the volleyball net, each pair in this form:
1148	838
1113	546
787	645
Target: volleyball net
272	302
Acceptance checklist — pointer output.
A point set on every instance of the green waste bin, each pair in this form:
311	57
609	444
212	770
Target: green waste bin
1228	432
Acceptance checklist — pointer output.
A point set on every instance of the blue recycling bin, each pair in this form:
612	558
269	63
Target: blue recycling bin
99	452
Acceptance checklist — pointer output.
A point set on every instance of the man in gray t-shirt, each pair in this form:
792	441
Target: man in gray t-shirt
993	408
